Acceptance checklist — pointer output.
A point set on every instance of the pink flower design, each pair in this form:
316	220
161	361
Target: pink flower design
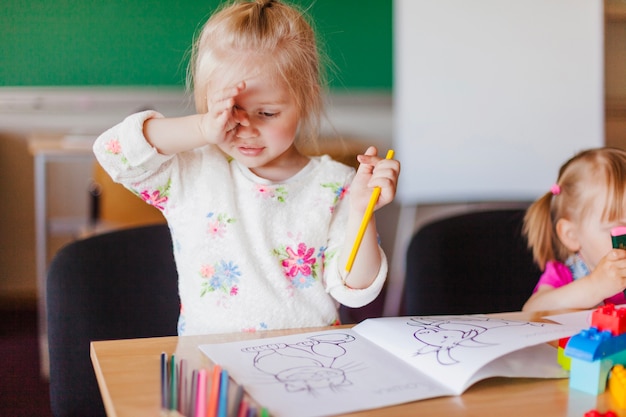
217	228
264	191
207	271
113	146
155	198
300	262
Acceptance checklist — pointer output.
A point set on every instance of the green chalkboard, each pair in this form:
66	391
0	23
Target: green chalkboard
137	43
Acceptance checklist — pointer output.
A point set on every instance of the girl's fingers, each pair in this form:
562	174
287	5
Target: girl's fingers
225	99
369	157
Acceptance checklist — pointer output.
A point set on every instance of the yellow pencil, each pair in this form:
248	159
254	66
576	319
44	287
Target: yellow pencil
366	219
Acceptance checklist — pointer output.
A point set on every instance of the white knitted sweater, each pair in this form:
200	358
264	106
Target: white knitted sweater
251	254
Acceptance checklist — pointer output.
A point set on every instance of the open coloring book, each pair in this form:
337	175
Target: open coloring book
387	361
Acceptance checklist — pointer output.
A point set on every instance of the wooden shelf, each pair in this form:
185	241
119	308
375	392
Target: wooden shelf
615	10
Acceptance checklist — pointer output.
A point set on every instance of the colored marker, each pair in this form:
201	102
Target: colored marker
164	404
173	385
366	219
222	405
201	394
182	386
238	402
243	409
191	405
618	237
214	392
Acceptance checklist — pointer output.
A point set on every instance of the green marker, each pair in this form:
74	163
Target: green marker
618	237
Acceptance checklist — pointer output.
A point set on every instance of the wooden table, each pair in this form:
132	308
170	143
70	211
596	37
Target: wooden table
128	376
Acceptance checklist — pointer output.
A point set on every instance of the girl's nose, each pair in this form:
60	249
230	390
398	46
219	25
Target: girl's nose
241	116
246	131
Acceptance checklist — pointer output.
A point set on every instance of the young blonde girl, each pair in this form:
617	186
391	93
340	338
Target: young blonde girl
261	232
568	230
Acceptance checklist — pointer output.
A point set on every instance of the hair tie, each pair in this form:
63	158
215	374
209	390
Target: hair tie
555	189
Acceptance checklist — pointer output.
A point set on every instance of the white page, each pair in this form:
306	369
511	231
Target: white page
452	349
580	319
321	374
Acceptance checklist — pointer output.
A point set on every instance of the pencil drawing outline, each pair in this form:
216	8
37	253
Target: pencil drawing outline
447	335
310	365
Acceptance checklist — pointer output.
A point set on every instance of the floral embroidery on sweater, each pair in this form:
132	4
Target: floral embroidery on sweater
279	193
113	147
157	198
299	264
223	276
260	326
218	223
340	191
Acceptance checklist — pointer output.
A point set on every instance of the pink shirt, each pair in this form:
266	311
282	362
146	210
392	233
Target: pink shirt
558	275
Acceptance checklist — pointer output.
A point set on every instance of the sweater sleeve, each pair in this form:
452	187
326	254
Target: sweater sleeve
351	297
335	272
124	152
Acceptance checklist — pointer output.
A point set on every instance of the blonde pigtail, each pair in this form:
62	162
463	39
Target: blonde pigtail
539	230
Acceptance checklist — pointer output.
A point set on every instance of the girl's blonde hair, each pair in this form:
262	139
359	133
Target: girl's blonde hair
249	34
572	198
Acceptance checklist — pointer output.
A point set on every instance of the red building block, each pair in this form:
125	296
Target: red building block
596	413
609	318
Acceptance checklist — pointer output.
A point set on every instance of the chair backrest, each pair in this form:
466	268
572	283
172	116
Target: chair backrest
118	285
476	262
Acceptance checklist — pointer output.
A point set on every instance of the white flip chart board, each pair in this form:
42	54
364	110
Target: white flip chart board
492	96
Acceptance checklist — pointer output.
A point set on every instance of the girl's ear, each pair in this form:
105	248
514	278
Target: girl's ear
568	234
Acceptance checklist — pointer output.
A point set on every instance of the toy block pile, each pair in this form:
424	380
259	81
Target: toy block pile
600	351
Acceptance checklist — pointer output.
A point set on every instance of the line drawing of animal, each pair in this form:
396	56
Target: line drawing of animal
443	336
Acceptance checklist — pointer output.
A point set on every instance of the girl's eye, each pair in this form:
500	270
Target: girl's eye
267	114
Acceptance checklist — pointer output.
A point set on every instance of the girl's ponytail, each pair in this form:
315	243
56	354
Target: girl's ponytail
539	229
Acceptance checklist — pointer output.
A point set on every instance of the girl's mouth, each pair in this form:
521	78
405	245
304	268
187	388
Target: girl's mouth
249	151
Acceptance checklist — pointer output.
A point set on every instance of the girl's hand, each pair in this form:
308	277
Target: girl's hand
610	274
374	171
219	124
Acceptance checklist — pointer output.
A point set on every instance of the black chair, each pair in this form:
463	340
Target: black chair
117	285
476	262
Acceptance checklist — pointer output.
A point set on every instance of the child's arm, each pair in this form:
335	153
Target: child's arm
606	280
572	295
374	171
173	135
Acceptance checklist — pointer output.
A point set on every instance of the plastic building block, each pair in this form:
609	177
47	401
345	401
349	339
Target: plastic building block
617	385
561	358
609	318
590	377
596	413
593	344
